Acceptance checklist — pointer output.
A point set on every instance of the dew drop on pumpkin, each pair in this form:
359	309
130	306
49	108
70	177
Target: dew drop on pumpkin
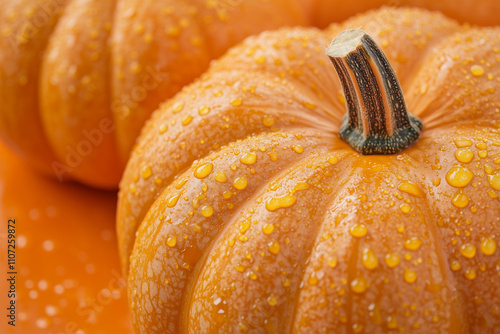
488	246
392	322
410	276
464	155
240	268
463	142
297	149
369	259
359	285
274	247
204	110
405	208
285	201
332	262
273	156
459	177
220	177
226	194
132	188
248	158
203	170
271	300
455	265
172	241
412	189
268	229
240	183
460	200
470	274
468	251
187	120
172	201
333	160
494	181
477	70
358	230
313	279
268	121
163	128
483	154
236	103
413	244
146	172
207	211
392	260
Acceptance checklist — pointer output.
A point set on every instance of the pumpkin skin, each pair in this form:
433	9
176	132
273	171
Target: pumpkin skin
80	78
66	254
242	211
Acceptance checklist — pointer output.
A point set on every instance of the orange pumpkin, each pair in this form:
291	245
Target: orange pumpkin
241	210
68	277
79	79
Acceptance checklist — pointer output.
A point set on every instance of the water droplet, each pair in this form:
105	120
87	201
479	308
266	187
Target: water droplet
273	156
459	177
332	262
268	229
313	279
410	276
172	201
204	110
268	121
203	170
488	246
405	208
163	128
464	155
172	241
220	177
392	322
455	265
271	300
274	247
236	103
460	200
358	230
369	259
248	158
392	260
297	149
359	285
477	70
146	172
463	142
412	189
285	201
207	211
187	120
494	181
468	251
413	243
333	160
470	274
240	183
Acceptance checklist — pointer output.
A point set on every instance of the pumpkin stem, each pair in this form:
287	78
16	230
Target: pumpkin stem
377	121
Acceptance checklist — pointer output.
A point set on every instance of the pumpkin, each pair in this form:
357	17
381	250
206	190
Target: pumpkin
242	211
68	274
80	78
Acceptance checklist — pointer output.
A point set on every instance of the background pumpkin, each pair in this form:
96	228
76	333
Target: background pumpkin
241	210
68	271
78	79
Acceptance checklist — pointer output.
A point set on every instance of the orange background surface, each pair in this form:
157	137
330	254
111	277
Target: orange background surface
68	274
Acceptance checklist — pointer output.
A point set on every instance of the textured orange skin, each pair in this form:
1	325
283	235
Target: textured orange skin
276	96
118	60
62	232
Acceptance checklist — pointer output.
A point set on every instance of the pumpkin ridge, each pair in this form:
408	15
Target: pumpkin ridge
151	218
192	284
